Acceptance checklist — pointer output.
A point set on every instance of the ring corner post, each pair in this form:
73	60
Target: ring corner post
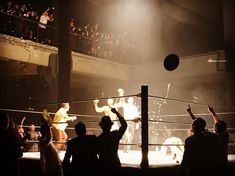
144	127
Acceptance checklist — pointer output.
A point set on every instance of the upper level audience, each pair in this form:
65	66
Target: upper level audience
20	19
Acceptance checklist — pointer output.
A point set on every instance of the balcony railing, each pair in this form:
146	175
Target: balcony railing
103	45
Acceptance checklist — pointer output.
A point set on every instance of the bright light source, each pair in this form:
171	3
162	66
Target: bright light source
215	61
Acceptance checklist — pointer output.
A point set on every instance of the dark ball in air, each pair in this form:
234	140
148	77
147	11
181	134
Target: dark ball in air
171	62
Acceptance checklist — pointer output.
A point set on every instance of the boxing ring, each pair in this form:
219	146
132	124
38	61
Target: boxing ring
159	137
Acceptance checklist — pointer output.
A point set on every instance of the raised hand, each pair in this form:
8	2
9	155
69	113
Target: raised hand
96	101
210	109
114	110
189	108
72	118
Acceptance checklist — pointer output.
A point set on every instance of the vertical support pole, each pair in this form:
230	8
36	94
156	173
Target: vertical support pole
64	52
144	127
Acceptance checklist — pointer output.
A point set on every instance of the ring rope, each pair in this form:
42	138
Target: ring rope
172	122
167	144
178	100
67	128
39	112
84	115
87	100
98	129
198	114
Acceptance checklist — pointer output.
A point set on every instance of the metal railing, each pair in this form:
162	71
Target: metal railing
29	29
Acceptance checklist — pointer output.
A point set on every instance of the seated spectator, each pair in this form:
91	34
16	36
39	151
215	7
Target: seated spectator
32	135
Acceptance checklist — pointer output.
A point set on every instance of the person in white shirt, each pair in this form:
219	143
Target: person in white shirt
59	124
107	111
131	114
44	18
173	147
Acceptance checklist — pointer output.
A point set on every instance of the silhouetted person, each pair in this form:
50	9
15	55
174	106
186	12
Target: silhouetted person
49	158
202	154
10	149
108	143
195	158
131	114
220	129
83	151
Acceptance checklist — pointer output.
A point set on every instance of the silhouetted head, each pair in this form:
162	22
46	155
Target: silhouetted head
106	123
220	127
4	120
80	129
199	125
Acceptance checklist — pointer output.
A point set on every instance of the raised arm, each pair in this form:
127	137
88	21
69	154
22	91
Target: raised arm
122	121
98	109
70	118
120	101
189	110
214	115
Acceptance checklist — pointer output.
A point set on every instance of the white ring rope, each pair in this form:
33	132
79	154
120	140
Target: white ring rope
84	115
178	100
172	122
87	100
184	101
198	114
40	112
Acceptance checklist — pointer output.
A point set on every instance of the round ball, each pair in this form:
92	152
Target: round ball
171	62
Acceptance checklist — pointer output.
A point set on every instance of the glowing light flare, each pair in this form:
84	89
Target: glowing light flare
215	61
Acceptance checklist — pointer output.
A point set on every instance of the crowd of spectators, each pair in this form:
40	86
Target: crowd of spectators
205	151
27	22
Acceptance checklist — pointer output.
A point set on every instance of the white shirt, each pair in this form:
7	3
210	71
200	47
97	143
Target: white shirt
130	111
43	21
60	119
